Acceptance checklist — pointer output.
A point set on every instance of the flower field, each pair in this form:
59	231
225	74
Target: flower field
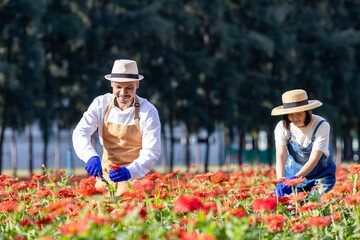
237	205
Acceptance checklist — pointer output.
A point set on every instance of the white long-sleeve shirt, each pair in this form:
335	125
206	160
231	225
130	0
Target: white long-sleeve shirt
150	129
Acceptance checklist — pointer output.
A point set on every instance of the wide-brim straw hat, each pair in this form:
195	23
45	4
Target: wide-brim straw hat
295	101
124	71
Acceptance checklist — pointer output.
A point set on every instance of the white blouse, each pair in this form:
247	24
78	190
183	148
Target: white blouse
302	136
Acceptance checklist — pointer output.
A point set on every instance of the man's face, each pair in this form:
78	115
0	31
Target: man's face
124	91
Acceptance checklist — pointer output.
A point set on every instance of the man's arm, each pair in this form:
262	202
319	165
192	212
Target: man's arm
151	146
82	133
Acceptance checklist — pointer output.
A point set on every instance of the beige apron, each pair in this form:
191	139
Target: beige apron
122	145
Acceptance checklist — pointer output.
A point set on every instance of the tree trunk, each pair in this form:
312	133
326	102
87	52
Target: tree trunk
31	157
241	146
57	151
338	156
270	140
164	152
171	128
187	152
3	126
13	153
256	148
207	154
221	143
197	153
347	148
45	159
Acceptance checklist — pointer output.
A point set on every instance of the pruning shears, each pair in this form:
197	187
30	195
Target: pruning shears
101	177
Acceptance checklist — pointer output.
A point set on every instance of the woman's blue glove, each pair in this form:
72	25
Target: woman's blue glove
288	189
122	174
278	191
93	166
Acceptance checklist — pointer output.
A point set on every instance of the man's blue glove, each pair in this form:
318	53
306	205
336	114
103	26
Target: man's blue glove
288	189
122	174
278	191
93	166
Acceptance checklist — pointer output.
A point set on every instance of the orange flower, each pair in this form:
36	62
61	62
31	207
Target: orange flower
354	169
38	176
295	181
74	228
318	221
219	177
60	172
167	176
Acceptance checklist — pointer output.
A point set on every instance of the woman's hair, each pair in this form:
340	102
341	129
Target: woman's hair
287	122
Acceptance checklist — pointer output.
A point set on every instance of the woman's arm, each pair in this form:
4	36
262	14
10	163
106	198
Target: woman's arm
311	163
281	157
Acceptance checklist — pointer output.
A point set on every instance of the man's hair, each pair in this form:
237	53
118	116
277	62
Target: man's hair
287	122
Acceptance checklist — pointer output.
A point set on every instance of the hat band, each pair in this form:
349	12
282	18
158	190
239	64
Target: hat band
124	75
295	104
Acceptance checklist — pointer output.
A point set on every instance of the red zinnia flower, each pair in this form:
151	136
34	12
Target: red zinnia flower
275	222
64	192
8	206
239	212
297	227
184	204
264	204
38	176
114	167
309	207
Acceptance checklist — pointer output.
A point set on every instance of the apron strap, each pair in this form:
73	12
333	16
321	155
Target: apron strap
137	107
313	135
289	136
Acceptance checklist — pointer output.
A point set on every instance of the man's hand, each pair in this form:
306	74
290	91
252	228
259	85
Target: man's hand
93	166
122	174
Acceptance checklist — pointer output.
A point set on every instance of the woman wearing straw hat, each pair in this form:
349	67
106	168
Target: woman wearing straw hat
129	130
302	144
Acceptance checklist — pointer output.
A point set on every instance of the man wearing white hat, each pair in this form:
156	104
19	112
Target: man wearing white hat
302	145
129	130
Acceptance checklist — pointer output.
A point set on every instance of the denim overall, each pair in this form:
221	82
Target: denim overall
323	175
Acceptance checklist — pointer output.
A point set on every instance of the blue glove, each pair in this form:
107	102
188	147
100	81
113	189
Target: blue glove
288	189
93	166
122	174
278	191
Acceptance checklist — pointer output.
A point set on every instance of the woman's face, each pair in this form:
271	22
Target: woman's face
298	119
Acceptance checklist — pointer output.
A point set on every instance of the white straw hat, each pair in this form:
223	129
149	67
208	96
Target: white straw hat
124	71
295	101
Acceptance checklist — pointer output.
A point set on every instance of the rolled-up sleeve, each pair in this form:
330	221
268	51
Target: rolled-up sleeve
81	136
151	146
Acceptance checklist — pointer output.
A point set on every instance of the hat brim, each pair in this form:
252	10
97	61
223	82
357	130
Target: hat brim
281	111
108	77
